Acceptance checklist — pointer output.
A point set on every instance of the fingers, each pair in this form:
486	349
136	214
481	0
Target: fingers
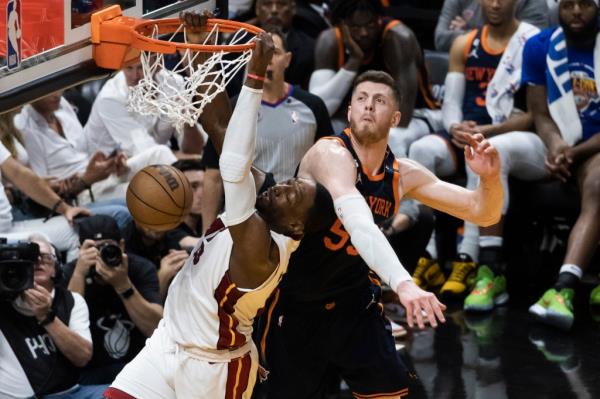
430	314
409	314
419	315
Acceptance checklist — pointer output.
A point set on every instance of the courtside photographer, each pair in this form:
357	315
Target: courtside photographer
44	328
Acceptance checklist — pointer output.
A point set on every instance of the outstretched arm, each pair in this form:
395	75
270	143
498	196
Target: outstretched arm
367	238
482	206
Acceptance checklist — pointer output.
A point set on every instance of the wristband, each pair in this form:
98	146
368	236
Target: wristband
256	77
127	293
50	316
53	210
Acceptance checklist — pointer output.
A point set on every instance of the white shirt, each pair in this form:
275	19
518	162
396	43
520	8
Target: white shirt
13	380
111	126
49	153
5	208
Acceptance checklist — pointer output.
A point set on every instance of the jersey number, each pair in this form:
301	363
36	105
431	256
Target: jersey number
340	240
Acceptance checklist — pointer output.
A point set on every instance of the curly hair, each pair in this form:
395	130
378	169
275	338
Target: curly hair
342	9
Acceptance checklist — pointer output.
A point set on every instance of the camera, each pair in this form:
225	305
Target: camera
17	262
110	254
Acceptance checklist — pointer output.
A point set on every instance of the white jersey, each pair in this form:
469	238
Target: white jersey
204	308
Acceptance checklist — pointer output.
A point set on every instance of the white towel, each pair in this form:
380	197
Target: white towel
499	99
561	101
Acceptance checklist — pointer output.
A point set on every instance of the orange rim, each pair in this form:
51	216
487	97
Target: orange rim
142	41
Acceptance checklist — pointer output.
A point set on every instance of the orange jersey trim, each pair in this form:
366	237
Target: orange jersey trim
396	182
401	393
484	43
341	47
263	340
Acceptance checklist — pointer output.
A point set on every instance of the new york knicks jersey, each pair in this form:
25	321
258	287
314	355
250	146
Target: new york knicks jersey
204	308
326	264
480	66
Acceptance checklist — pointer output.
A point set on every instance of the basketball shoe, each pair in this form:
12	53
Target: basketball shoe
428	274
555	308
489	291
595	297
461	278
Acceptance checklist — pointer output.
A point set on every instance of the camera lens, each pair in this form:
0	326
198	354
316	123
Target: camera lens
111	254
13	278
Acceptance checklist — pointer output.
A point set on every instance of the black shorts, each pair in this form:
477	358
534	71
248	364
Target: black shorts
352	339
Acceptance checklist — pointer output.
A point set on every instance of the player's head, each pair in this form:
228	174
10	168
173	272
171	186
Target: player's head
374	107
193	169
579	19
281	58
362	18
275	13
50	103
133	73
293	206
498	12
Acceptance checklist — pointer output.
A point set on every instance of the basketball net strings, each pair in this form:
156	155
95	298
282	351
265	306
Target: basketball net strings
179	94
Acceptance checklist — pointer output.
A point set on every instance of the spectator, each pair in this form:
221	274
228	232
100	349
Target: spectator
45	336
58	227
123	297
559	66
57	148
312	17
364	39
460	16
188	233
280	14
290	121
484	75
111	127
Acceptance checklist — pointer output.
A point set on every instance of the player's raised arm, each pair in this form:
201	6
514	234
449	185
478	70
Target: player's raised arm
482	206
372	245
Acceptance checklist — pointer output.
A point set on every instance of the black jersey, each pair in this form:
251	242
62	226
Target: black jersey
480	66
326	265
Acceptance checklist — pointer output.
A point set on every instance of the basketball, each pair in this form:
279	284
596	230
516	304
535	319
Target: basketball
159	197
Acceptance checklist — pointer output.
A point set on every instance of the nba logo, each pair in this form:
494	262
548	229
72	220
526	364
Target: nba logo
13	33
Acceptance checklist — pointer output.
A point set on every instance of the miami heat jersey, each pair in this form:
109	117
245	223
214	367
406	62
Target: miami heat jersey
480	66
204	308
326	264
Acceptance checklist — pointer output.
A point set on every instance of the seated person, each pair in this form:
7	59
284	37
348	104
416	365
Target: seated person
364	39
480	98
122	293
563	97
111	126
57	148
58	227
460	16
44	335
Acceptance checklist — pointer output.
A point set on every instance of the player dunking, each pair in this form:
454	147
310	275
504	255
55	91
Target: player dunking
326	316
203	348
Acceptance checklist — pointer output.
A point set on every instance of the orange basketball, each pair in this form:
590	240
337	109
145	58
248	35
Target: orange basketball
159	197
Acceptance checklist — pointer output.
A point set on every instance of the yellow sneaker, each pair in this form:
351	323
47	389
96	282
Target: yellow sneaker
462	278
428	274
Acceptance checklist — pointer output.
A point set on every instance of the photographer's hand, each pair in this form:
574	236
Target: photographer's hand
117	277
39	300
169	266
87	258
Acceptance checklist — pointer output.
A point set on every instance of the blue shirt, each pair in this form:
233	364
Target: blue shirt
581	68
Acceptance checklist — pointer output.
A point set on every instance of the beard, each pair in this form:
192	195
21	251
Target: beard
365	134
583	35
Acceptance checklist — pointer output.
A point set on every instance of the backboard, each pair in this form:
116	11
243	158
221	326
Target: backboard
45	44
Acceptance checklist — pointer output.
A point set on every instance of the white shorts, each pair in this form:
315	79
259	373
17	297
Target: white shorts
160	371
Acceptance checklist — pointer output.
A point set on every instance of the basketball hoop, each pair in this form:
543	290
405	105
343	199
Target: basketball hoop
179	93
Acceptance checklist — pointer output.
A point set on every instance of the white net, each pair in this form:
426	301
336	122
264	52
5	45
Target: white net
178	94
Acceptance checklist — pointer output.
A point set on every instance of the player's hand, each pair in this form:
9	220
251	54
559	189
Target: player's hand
559	159
39	300
482	157
261	55
194	24
87	257
396	224
121	167
357	55
458	23
419	304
